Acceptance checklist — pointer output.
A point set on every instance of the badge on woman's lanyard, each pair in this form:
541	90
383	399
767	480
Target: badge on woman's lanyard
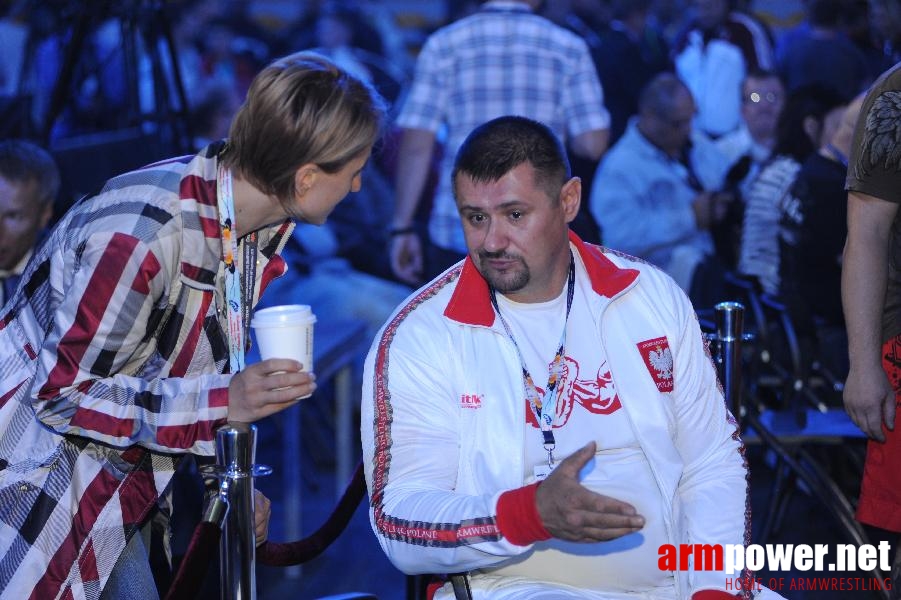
238	289
544	407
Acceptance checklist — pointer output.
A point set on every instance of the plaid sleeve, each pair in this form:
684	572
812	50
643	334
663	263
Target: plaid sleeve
95	378
584	101
426	103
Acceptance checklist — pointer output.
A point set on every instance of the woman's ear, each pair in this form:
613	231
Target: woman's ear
305	178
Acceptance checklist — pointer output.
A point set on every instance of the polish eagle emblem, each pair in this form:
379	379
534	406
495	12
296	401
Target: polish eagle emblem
658	358
662	360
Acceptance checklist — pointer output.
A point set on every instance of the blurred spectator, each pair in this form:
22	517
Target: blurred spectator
228	58
586	18
14	32
762	99
860	30
655	194
812	235
331	285
212	113
821	52
339	28
809	119
334	37
713	55
629	53
188	20
670	17
312	28
98	96
504	59
590	20
885	23
29	183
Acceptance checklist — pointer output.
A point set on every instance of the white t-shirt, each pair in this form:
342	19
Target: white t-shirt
588	409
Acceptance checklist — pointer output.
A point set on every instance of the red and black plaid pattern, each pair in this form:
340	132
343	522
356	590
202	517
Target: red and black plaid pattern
113	364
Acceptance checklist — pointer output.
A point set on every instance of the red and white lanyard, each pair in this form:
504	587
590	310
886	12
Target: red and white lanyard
238	289
544	408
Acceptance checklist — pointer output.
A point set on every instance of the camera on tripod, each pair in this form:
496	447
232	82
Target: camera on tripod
114	65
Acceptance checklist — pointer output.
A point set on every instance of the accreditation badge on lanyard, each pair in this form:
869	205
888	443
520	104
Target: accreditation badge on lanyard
545	407
238	289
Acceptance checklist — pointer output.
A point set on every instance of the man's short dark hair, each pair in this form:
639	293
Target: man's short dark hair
495	148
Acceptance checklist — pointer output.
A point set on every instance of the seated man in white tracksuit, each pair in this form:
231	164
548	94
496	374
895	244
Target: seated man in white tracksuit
544	414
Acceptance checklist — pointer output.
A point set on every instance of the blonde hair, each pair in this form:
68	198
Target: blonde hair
302	109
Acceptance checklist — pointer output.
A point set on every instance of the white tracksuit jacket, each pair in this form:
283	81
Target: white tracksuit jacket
443	418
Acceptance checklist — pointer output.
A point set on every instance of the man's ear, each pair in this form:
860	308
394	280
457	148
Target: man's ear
812	127
305	177
571	198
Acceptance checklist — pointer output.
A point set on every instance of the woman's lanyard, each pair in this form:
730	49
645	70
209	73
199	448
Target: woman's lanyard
238	289
545	408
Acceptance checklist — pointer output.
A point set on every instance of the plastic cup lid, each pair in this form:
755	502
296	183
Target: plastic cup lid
289	314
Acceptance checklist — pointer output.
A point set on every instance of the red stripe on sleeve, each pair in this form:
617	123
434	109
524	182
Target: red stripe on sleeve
89	314
184	436
103	423
218	397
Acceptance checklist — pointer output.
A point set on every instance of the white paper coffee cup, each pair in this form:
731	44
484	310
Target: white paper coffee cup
285	332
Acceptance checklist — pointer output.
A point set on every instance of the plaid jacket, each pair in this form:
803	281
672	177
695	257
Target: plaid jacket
113	364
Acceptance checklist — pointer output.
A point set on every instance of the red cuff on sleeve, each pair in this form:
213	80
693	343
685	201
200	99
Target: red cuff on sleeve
712	595
517	516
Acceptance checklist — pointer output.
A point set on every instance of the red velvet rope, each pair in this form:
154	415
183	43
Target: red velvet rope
205	542
301	551
193	568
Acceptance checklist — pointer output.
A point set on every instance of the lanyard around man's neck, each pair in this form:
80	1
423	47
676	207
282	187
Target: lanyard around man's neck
544	408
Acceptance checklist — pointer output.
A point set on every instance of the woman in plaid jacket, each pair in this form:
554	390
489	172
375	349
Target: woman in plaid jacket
122	350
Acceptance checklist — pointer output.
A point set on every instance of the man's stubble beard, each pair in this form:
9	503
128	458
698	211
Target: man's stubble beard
508	282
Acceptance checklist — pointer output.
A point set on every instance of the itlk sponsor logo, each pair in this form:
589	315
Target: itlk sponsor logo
470	401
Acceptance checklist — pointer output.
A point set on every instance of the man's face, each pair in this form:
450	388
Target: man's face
670	129
762	101
22	217
516	234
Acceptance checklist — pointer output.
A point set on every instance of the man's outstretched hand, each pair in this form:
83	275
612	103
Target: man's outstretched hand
570	511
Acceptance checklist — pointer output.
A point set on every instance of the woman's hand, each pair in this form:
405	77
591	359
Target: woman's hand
261	514
267	387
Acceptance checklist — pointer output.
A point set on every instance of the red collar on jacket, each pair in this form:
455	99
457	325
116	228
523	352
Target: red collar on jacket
470	302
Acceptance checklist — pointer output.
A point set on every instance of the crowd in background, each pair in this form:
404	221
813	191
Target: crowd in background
762	98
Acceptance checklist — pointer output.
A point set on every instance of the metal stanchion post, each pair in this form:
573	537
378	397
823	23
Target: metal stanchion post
729	335
235	454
